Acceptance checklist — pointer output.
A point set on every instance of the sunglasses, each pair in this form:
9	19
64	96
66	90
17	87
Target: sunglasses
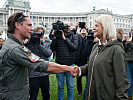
20	18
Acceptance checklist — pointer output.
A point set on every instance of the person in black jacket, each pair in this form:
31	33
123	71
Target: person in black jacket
38	79
85	44
128	45
80	56
64	48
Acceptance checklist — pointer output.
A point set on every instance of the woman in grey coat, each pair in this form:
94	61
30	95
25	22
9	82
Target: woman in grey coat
106	67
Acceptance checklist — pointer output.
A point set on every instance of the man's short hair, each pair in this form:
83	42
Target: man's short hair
16	17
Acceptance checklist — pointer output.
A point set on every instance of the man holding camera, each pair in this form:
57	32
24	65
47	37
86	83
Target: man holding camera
64	47
80	56
38	79
86	41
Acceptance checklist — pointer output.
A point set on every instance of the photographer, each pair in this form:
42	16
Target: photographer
128	45
38	79
86	40
80	25
64	43
80	56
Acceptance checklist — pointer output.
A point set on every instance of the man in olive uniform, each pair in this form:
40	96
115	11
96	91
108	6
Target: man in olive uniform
15	59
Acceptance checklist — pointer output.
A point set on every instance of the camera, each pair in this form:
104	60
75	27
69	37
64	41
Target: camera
36	34
82	24
59	27
90	35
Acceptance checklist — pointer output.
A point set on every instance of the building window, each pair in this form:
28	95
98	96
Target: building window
58	18
70	18
46	18
90	24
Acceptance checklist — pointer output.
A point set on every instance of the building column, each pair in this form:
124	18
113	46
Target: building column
88	21
13	10
3	21
37	20
9	11
6	19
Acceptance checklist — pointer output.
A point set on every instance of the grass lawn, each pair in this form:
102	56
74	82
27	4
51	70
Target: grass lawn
53	89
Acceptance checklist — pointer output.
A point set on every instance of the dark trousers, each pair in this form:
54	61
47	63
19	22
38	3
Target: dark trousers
79	84
39	82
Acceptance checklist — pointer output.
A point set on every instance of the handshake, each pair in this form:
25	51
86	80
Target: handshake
74	71
58	68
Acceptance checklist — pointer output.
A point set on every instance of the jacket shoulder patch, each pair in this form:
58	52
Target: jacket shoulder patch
23	48
33	57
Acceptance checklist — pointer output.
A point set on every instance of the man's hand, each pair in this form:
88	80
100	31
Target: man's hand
63	36
74	71
76	26
86	27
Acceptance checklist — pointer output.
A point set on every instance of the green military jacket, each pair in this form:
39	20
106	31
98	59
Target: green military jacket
15	60
106	69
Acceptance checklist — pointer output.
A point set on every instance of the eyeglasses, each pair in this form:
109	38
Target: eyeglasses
20	18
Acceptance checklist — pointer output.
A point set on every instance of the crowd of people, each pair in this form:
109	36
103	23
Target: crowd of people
104	55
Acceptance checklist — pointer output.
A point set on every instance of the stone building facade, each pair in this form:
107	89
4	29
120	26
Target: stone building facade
46	19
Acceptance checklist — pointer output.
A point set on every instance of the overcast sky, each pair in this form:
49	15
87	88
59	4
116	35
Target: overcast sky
122	7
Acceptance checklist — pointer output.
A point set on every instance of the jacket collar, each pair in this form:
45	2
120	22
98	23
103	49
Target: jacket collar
99	43
13	38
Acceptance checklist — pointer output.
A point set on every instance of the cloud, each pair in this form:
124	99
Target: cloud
117	6
75	6
2	3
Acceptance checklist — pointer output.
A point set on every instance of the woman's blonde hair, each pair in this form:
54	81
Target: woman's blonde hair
121	32
109	31
39	28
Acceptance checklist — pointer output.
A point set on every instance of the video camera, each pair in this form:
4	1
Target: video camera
59	27
36	34
90	35
82	24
